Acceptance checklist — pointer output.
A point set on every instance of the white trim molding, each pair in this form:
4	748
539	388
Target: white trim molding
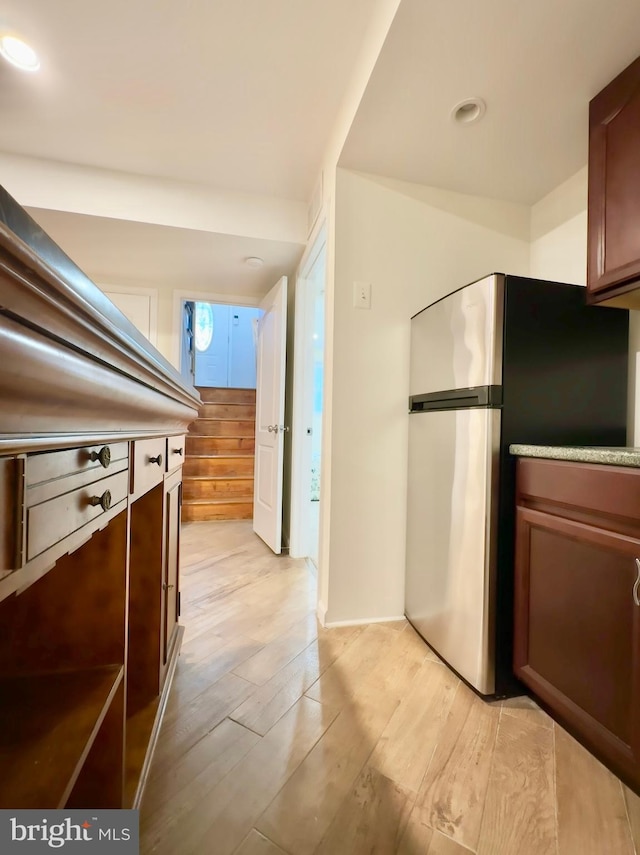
360	621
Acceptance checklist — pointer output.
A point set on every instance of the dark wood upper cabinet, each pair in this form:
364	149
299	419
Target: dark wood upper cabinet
613	263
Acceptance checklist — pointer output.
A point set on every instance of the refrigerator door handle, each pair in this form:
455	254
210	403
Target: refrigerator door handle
456	399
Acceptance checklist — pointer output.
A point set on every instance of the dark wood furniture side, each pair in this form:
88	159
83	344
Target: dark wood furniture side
577	617
613	262
92	423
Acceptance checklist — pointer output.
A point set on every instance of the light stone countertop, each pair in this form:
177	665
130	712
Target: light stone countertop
580	454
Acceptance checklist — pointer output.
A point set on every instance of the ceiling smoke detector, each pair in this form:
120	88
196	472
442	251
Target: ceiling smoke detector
19	53
469	111
254	261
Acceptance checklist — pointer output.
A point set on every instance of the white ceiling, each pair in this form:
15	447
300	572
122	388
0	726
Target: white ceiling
239	94
536	64
242	96
121	252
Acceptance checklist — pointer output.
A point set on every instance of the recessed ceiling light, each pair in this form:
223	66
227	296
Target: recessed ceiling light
468	111
254	261
19	53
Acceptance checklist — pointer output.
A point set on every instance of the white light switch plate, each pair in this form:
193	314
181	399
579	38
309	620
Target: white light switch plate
362	295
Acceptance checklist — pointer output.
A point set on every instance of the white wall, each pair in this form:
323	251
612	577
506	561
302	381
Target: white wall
559	232
559	251
413	247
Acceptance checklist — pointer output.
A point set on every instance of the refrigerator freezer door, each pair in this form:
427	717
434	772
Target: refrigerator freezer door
452	512
456	343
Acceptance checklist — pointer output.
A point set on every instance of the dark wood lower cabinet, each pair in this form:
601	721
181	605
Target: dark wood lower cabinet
577	624
92	424
173	501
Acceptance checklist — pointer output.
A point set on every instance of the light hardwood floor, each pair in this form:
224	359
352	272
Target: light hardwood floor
283	738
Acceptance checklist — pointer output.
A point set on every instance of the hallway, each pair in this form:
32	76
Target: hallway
282	738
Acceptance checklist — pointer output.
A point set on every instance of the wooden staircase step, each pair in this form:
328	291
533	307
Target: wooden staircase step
217	509
218	465
202	445
200	487
222	427
219	395
227	411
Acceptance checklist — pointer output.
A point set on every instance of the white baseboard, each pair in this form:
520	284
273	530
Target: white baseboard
321	613
335	623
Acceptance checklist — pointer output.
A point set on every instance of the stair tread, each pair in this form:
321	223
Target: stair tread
217	477
236	500
225	456
223	419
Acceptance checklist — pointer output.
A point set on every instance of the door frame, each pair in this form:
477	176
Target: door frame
186	296
302	409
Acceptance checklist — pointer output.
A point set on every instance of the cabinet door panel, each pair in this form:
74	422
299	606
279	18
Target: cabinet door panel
578	628
614	186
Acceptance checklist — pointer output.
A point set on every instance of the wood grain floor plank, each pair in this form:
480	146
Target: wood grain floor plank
172	795
417	836
519	815
257	844
372	817
453	791
185	725
202	646
407	744
592	815
263	665
338	684
303	810
443	845
217	788
633	812
269	702
222	817
192	678
526	709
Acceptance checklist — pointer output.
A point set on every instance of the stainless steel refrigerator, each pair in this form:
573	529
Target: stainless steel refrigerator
503	360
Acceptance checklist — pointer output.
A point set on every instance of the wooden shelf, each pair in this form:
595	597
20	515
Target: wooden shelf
47	725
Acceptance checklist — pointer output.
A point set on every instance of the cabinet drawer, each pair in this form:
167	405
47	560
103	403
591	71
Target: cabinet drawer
52	520
589	487
175	452
149	457
56	472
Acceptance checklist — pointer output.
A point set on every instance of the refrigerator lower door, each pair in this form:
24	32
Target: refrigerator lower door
451	537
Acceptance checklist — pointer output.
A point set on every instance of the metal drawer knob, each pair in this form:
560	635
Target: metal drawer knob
177	451
104	456
636	587
157	460
104	500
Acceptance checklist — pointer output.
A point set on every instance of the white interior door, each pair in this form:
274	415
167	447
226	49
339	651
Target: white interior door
269	454
212	353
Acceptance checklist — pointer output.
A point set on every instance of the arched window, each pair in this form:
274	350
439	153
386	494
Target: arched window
203	326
